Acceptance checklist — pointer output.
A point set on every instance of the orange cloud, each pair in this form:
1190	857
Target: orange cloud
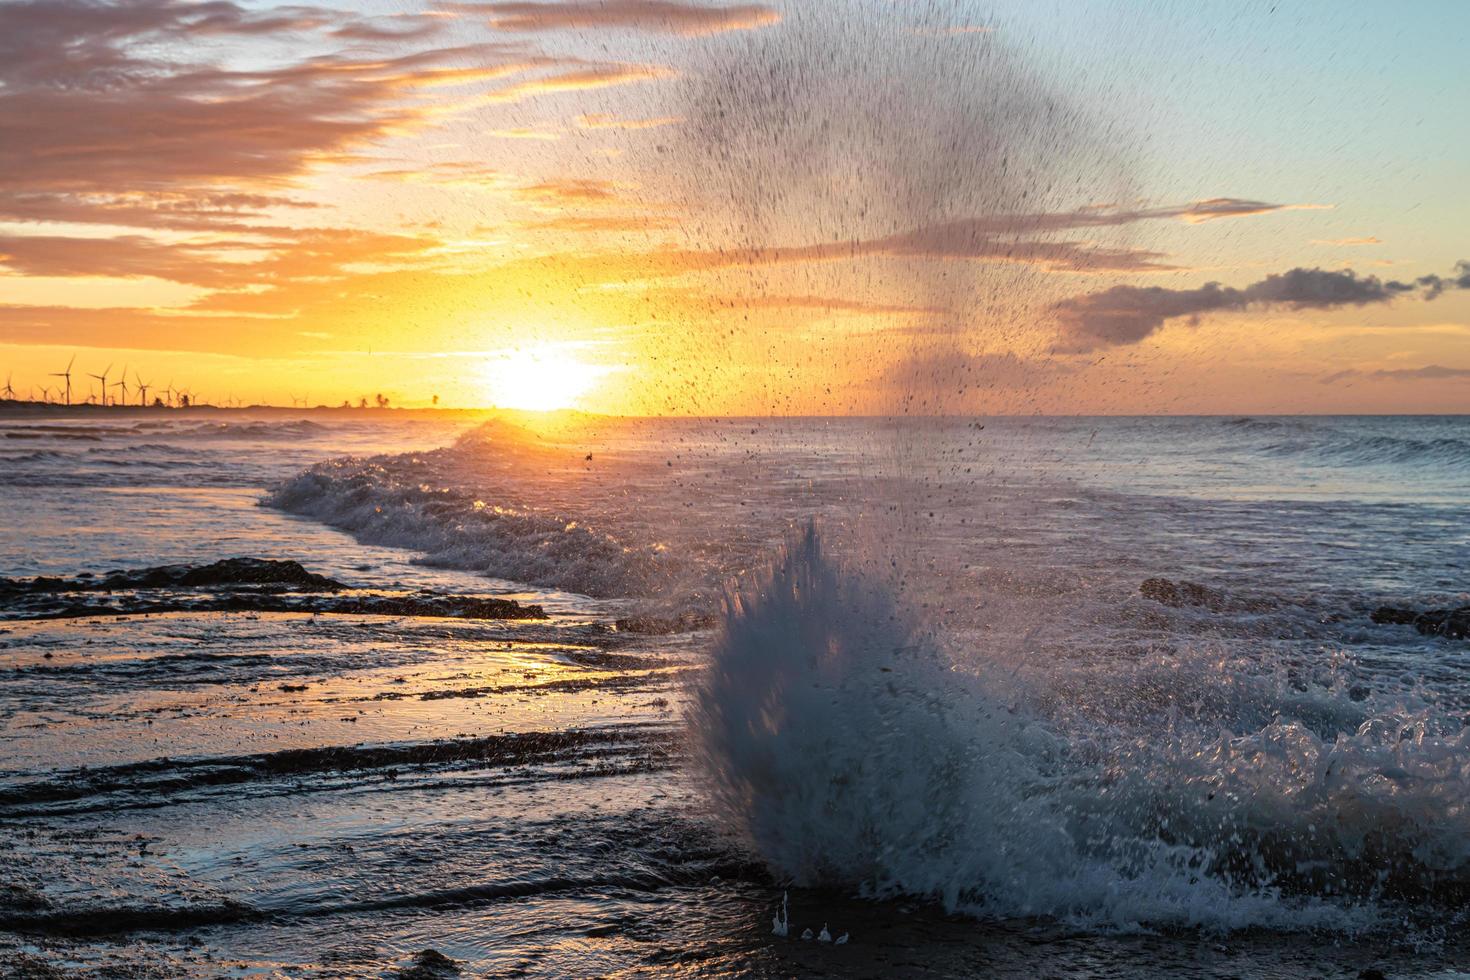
581	80
298	254
581	191
600	121
649	16
593	223
1230	207
89	107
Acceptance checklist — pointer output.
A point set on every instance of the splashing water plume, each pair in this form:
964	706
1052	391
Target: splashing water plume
854	738
848	747
837	163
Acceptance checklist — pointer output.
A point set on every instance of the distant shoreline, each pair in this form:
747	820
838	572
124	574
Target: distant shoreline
27	408
51	408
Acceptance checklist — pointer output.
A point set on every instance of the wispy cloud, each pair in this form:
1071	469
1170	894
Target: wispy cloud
449	173
598	223
956	30
1128	314
581	80
1346	242
106	106
572	190
297	254
1232	207
526	133
649	16
961	370
594	120
1430	372
826	304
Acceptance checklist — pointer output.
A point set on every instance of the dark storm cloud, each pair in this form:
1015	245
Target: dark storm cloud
651	16
1128	314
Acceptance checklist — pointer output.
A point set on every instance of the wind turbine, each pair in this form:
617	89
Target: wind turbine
67	375
122	383
142	388
102	378
45	395
9	391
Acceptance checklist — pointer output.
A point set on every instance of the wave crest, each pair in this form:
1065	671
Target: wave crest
846	747
377	503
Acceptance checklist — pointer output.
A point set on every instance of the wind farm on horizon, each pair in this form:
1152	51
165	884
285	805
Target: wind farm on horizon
120	393
129	389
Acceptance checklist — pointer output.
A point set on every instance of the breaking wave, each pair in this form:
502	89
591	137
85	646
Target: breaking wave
1381	450
1352	444
848	746
384	501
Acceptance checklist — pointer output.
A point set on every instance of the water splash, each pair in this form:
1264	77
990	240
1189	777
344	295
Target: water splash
847	747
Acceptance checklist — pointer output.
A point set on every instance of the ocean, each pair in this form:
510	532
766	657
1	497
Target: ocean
577	696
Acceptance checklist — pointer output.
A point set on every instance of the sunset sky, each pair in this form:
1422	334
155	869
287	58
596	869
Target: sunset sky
825	206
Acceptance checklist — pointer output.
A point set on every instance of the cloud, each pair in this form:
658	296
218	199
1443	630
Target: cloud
1005	238
572	190
525	133
593	120
187	210
958	30
397	27
447	173
595	223
1128	314
1231	207
958	372
650	16
1430	372
1346	242
826	304
581	80
305	254
109	107
124	256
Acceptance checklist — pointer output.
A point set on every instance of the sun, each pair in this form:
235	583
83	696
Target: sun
539	379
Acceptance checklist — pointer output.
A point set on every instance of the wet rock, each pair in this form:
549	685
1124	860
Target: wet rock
687	622
430	964
45	606
230	573
1394	616
1183	594
233	585
1453	623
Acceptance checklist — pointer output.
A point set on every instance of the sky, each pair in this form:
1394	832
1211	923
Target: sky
671	207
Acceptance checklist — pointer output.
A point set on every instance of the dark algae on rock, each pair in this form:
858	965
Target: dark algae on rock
234	585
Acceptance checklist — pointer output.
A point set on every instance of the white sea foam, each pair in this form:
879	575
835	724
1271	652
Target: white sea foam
847	746
452	529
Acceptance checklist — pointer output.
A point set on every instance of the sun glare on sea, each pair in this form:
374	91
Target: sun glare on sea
539	379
